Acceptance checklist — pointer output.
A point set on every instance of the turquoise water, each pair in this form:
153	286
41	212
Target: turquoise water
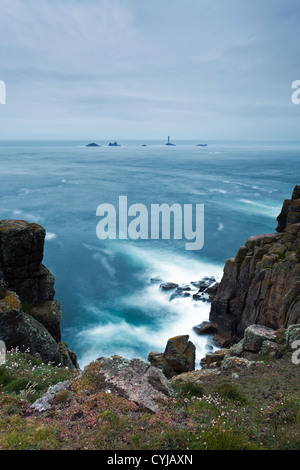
110	306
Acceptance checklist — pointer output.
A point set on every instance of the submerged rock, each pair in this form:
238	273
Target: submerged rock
168	285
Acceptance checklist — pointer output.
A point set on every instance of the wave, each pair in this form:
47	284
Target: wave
110	333
50	236
261	209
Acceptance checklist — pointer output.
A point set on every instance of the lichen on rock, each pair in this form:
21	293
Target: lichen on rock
29	314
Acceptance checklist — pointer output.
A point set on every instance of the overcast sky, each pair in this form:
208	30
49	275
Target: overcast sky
145	69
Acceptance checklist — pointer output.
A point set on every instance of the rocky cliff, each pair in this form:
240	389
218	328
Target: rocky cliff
261	285
29	314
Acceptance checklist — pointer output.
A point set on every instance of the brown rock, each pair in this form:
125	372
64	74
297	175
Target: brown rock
21	254
261	285
179	356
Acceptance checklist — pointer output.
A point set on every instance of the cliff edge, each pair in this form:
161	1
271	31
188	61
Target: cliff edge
261	285
29	314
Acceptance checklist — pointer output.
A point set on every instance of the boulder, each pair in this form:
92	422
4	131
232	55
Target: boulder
204	283
158	360
205	328
237	363
292	334
168	286
255	335
179	356
22	331
136	380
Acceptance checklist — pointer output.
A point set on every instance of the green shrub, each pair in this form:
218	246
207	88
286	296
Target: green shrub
230	391
188	389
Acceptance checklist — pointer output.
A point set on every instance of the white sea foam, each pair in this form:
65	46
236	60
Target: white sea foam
260	208
26	216
50	236
218	190
114	335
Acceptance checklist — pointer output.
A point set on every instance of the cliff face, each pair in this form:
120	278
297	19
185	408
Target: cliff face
29	314
261	285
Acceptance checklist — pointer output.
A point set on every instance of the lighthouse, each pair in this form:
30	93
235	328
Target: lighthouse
169	143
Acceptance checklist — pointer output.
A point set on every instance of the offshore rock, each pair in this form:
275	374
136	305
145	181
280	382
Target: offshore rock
261	285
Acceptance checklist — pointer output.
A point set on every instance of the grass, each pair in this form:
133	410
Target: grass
26	376
188	389
231	391
258	410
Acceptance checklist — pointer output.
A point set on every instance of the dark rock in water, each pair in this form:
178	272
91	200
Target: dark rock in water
201	145
144	145
115	144
155	280
183	288
181	291
178	357
203	296
92	145
168	285
179	294
204	283
205	328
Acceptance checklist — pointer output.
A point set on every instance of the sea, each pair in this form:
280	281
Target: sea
109	289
